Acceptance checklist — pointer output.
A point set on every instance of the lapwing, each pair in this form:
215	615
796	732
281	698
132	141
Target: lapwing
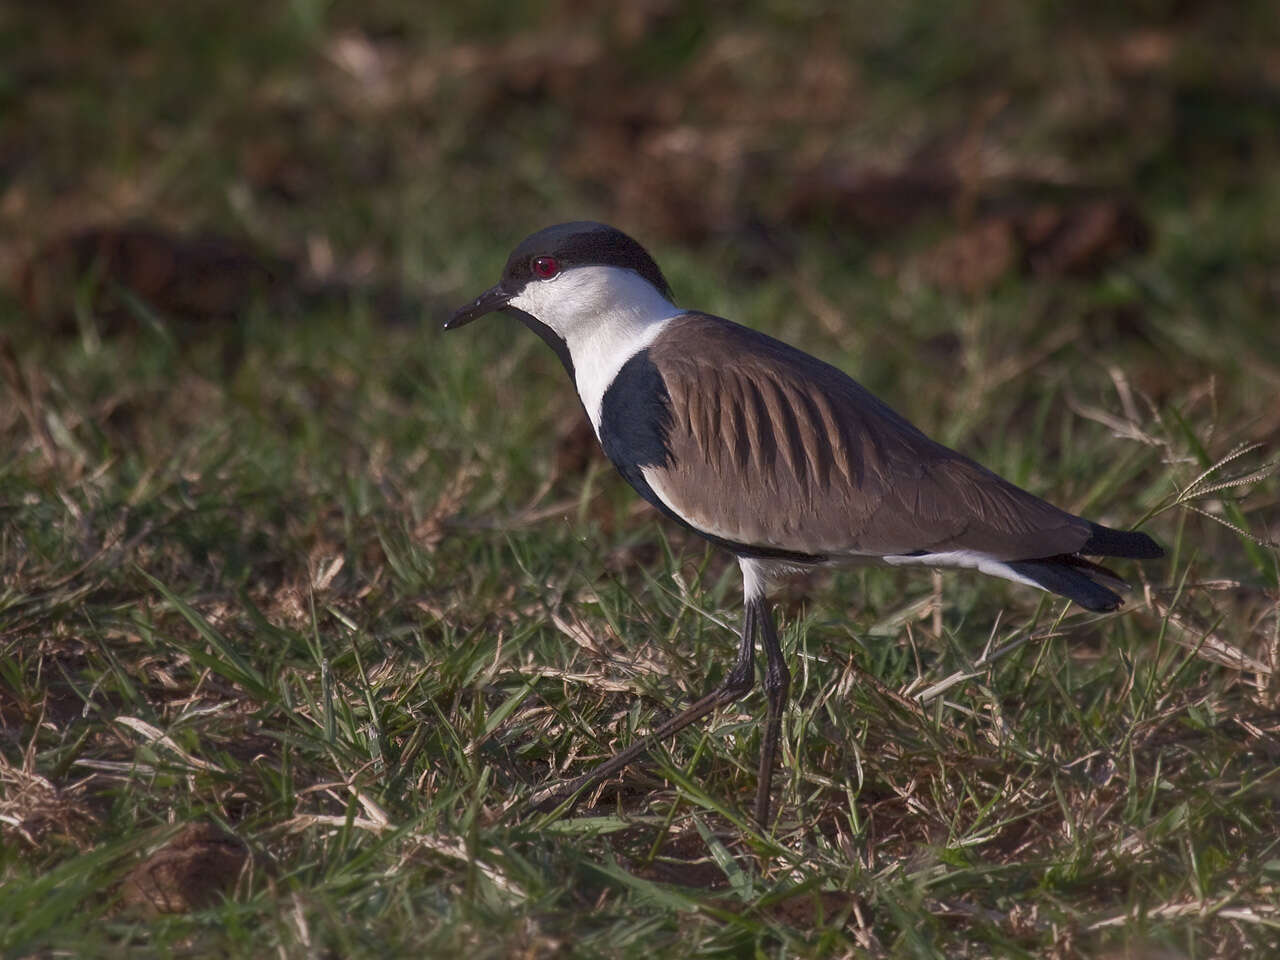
774	455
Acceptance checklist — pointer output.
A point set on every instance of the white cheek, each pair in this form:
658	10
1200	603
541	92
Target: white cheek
532	299
570	303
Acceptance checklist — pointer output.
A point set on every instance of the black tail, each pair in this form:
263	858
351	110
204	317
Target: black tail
1092	586
1076	579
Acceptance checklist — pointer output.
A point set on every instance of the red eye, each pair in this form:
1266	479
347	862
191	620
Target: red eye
544	268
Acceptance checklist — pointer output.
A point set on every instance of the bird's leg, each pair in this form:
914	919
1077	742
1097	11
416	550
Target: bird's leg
777	684
735	686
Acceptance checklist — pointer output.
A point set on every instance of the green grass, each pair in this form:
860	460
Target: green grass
351	591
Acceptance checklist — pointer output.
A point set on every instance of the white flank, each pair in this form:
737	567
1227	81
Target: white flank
759	575
966	559
606	315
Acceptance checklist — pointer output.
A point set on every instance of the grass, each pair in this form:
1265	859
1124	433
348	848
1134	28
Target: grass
298	606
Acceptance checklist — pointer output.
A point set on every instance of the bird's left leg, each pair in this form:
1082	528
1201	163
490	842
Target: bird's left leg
777	684
734	687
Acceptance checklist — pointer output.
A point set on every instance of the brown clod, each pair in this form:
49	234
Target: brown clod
193	870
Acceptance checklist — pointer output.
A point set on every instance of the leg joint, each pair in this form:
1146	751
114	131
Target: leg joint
739	682
777	678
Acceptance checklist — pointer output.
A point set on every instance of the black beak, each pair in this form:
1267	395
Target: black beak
495	298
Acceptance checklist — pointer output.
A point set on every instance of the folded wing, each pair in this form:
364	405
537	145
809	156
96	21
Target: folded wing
771	448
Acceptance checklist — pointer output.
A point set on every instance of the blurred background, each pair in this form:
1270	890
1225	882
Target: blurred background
405	147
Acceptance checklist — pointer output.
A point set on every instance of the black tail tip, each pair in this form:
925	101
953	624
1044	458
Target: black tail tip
1073	578
1108	605
1130	544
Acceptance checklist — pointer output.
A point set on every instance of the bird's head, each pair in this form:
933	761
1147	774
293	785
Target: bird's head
571	276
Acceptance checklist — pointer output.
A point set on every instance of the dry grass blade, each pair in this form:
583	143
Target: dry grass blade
32	807
1229	908
1208	643
159	738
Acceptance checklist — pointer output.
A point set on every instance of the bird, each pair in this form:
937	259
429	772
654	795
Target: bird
774	455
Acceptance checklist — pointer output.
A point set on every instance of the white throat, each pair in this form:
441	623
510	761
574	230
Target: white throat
605	315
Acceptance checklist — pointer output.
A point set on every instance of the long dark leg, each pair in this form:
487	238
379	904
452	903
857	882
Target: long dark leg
777	684
736	686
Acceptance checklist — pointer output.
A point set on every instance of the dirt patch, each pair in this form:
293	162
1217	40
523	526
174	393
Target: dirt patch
194	870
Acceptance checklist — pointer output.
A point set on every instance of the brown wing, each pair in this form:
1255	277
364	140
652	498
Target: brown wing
770	447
